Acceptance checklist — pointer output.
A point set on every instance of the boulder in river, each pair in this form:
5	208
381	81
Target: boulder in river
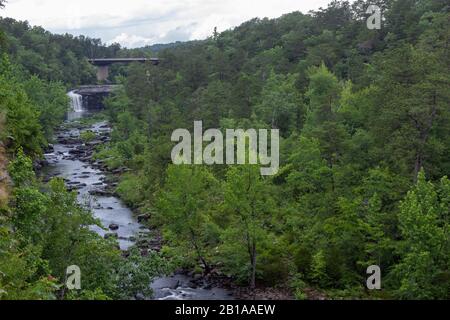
49	149
111	235
113	227
100	193
143	218
77	152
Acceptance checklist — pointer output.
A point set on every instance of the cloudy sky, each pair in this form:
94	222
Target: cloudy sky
135	23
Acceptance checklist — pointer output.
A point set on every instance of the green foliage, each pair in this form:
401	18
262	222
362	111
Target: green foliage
21	169
423	270
51	102
318	269
57	58
323	94
249	206
281	106
298	286
51	233
87	295
131	190
185	210
21	277
137	272
22	118
88	136
360	111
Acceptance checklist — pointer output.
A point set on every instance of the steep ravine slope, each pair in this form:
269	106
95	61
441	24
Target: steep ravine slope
4	178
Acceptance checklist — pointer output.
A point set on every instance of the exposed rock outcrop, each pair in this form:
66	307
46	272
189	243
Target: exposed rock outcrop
4	177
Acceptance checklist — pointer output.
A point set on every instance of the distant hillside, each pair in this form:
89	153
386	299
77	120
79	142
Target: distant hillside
50	56
162	46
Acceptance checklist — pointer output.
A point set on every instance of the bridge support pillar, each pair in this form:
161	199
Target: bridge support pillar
102	73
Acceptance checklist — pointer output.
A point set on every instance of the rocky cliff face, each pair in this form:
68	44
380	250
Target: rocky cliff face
4	177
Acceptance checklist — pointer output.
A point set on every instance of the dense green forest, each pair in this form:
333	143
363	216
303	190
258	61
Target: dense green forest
43	229
58	58
364	117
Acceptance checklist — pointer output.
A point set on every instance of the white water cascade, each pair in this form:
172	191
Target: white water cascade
76	101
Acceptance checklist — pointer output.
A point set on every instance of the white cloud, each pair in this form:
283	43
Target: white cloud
141	22
131	41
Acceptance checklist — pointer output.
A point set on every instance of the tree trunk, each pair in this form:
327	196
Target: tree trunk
424	132
417	167
253	261
199	253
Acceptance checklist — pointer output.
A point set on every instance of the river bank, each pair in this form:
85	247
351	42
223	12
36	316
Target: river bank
71	158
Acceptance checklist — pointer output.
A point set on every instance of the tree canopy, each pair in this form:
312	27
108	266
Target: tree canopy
364	120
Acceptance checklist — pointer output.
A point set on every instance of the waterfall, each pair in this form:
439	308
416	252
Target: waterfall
76	101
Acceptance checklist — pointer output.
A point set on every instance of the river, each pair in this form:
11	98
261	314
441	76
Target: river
69	161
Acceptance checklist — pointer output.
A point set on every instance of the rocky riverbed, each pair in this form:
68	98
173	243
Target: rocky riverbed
72	159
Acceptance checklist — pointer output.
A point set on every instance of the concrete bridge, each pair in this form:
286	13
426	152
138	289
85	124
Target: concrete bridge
103	64
93	95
